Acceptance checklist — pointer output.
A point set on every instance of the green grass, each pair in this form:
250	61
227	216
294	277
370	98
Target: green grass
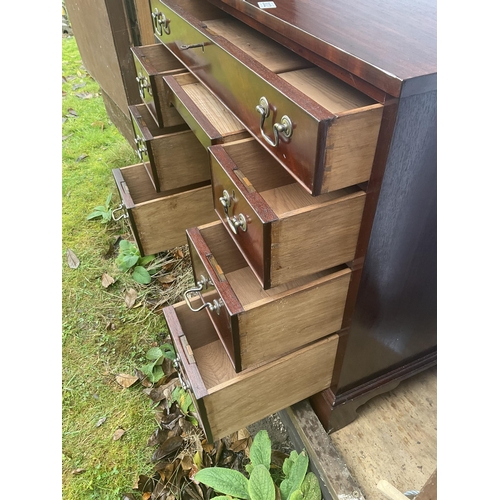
93	351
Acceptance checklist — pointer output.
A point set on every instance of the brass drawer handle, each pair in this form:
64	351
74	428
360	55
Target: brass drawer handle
141	147
193	46
122	216
237	221
143	83
285	127
160	22
212	306
184	384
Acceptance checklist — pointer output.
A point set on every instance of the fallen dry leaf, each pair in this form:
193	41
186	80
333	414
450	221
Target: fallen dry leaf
126	380
72	112
167	279
81	157
130	297
118	434
77	471
84	95
73	260
107	280
186	462
168	447
100	422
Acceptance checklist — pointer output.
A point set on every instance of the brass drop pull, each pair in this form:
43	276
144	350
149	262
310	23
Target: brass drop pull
141	147
124	215
203	283
143	83
177	365
285	127
237	221
193	46
160	22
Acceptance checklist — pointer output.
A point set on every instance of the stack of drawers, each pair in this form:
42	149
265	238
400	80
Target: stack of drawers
258	157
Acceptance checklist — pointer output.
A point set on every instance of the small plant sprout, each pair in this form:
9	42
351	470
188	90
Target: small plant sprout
102	211
297	485
129	258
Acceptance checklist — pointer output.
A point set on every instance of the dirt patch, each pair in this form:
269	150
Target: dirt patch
280	439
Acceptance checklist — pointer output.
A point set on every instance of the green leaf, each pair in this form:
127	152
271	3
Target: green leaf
146	260
261	486
288	463
108	200
296	476
310	487
154	353
249	468
260	451
157	373
184	401
225	481
141	275
296	495
148	370
126	261
94	215
125	246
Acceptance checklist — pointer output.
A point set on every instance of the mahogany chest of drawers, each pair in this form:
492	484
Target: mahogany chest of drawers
297	160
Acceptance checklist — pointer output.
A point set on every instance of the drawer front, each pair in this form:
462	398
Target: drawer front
228	401
152	62
257	326
283	233
206	116
298	132
172	158
158	221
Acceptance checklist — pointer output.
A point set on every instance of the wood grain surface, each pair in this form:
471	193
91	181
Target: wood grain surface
388	43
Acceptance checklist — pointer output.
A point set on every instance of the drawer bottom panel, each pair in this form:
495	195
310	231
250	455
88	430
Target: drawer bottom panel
227	401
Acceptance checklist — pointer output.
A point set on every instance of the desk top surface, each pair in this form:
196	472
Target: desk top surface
388	43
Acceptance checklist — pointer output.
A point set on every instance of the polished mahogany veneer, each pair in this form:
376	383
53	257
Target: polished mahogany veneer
387	43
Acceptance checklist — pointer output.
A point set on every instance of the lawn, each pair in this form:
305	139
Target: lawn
101	335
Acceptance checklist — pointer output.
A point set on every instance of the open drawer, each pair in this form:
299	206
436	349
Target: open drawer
158	221
152	62
227	401
173	158
207	117
283	232
256	325
323	131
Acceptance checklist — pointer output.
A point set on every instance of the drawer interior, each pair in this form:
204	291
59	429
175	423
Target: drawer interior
211	358
157	57
140	187
241	277
327	90
269	53
146	119
280	191
216	113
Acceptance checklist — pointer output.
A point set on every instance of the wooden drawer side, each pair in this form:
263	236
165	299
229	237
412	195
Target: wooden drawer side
350	148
